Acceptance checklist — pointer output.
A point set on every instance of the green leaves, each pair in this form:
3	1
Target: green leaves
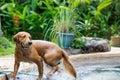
23	14
79	42
40	17
24	11
9	6
103	4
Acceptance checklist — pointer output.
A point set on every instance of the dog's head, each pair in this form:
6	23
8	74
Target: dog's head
23	39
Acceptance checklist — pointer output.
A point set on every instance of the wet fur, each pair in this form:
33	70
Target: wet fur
38	51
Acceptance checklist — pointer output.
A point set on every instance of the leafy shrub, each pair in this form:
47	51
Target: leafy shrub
78	42
5	43
93	17
6	47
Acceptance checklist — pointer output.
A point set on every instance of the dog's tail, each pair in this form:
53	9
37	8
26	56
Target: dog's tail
68	65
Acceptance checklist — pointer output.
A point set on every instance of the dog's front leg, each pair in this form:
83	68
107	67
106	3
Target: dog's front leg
39	63
16	67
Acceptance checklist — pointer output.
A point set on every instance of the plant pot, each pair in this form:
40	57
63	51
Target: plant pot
65	39
115	41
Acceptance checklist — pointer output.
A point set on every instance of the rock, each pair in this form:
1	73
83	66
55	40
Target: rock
92	45
96	45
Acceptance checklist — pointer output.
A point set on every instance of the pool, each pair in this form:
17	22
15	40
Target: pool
98	73
98	68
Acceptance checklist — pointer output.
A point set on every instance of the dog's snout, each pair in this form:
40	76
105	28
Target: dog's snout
30	43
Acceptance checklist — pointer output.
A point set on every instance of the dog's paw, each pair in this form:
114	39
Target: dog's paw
45	79
59	70
48	76
38	79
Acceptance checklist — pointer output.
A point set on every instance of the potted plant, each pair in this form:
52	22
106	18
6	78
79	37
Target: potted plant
64	25
65	39
115	38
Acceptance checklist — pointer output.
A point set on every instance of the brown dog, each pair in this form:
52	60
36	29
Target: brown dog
36	51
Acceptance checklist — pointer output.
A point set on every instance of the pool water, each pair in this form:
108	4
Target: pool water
100	73
94	72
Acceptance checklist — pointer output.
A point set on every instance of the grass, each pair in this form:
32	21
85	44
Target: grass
6	46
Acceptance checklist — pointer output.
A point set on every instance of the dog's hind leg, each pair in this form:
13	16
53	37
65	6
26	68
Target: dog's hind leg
54	69
52	59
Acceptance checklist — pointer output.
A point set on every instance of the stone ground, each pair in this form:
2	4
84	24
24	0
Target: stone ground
7	62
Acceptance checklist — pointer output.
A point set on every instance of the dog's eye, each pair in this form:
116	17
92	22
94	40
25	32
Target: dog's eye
30	38
24	36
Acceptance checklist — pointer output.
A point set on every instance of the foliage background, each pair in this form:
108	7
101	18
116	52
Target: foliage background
97	18
93	18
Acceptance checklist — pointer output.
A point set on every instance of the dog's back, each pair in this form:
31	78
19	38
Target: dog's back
44	47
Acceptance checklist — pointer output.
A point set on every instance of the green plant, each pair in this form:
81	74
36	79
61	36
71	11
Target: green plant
6	47
93	20
103	4
63	19
42	18
4	43
115	30
23	17
27	20
78	42
79	39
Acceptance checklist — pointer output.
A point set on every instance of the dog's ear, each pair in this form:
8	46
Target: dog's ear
15	38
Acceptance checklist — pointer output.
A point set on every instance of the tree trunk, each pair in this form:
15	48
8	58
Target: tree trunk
1	33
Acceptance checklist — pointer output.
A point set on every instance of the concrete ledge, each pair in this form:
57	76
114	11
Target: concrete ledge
115	52
94	55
